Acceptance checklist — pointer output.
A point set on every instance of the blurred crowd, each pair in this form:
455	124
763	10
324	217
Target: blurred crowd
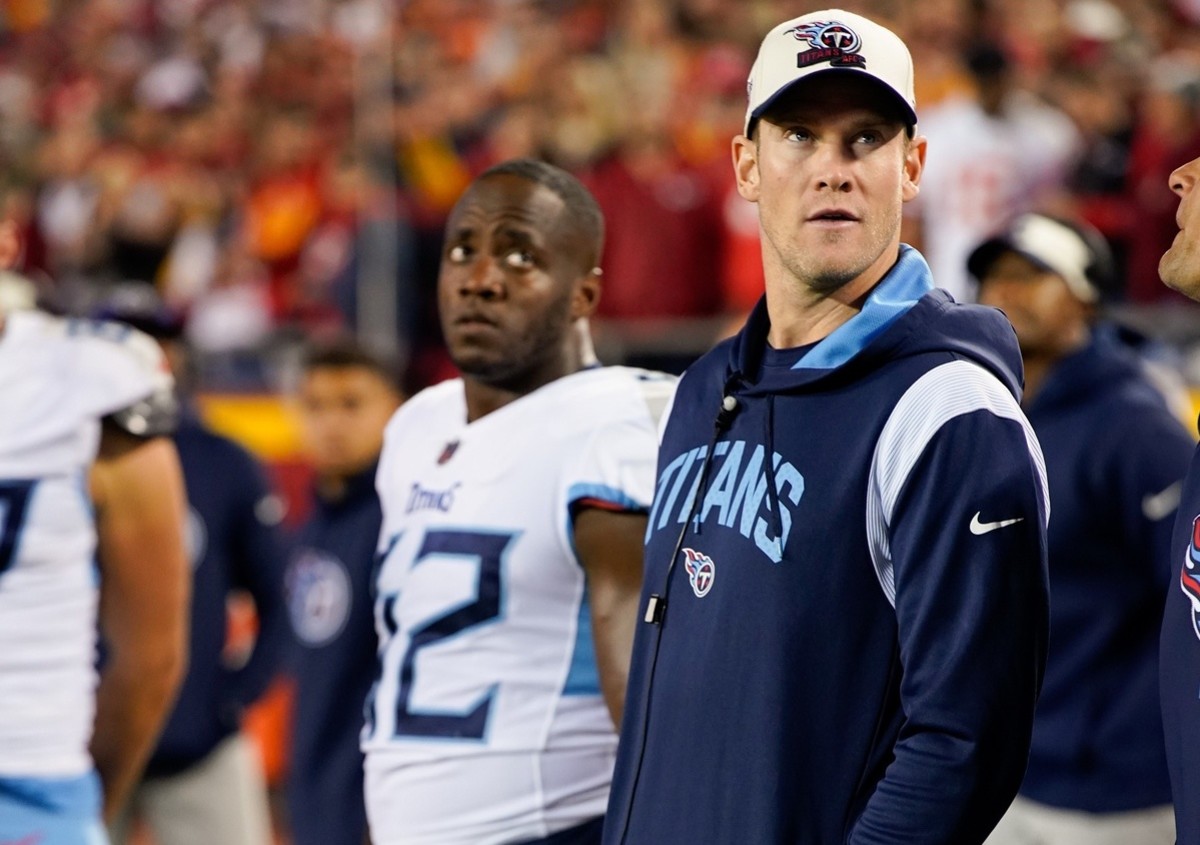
277	168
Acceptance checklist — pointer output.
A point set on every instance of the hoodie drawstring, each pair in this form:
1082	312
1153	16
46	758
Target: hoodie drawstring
772	490
721	423
730	406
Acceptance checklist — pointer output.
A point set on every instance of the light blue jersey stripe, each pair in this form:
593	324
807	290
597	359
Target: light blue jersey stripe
51	811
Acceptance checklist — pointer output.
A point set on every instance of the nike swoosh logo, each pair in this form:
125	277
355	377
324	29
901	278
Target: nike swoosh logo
1160	505
979	528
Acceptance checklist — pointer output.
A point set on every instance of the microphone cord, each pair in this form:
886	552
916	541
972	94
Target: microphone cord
656	607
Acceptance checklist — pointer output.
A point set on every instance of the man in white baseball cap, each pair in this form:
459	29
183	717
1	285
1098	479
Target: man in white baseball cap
845	605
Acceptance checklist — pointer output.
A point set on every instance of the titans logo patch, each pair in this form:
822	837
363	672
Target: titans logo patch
701	571
1189	575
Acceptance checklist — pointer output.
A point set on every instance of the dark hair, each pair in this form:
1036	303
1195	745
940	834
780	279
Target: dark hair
347	353
986	60
581	208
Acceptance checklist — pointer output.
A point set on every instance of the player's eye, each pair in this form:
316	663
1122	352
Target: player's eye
518	260
797	134
458	254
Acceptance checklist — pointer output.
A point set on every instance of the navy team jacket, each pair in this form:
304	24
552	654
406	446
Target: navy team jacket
855	629
1179	662
1115	459
330	605
234	543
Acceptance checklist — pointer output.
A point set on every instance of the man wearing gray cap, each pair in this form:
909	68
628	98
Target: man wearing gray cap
845	602
1115	459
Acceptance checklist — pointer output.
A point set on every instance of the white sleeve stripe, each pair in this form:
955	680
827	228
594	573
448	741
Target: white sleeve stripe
945	392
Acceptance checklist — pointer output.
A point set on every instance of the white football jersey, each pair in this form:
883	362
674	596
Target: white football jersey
57	379
487	724
982	171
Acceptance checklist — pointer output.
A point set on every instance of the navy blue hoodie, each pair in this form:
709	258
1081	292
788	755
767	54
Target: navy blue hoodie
854	630
1179	662
235	544
329	596
1115	457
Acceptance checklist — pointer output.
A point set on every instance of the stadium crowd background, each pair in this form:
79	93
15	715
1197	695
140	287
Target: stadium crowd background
279	170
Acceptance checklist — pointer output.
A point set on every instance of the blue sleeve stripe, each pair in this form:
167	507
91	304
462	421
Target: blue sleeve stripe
604	493
583	676
601	493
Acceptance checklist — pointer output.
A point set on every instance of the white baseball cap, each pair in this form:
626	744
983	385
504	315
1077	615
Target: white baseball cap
823	42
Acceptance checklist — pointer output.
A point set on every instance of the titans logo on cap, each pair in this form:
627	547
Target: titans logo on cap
832	42
1189	575
701	571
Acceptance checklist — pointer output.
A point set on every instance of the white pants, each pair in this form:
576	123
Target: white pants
1030	823
222	799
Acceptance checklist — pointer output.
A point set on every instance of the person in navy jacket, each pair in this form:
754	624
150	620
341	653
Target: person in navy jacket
204	781
1179	656
346	398
845	596
1115	459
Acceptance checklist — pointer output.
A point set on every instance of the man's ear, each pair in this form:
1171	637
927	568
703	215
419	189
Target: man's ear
587	294
914	166
745	167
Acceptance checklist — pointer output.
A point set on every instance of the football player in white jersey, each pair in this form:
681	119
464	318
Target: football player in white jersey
514	504
84	479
